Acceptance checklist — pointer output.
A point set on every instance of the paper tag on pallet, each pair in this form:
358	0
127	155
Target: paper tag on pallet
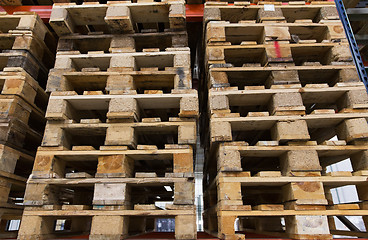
269	7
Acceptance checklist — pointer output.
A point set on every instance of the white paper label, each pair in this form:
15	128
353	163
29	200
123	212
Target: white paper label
269	7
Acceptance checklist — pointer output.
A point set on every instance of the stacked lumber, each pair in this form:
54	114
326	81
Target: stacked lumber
26	54
121	125
281	85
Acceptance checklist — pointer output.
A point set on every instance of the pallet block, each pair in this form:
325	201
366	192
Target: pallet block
102	229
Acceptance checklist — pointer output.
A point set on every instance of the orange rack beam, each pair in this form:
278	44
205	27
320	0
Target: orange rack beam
194	12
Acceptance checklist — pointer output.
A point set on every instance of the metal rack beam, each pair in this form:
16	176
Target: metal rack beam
194	12
353	45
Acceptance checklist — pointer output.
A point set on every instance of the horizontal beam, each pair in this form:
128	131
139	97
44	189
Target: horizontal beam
73	213
358	14
361	39
194	12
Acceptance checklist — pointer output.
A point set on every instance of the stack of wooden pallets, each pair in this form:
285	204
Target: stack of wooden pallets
27	48
121	125
284	102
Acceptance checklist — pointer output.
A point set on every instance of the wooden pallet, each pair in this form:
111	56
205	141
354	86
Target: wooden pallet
218	11
93	133
220	76
123	108
15	167
26	23
30	43
171	80
117	17
13	107
315	99
319	127
106	193
279	54
16	81
97	223
277	193
24	60
291	160
119	73
21	124
248	33
114	43
113	161
19	136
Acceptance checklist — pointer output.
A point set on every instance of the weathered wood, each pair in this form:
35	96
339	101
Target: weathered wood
122	73
117	17
122	107
136	42
221	32
290	12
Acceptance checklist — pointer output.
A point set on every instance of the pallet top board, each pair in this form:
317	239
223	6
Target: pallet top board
91	129
239	70
255	213
92	155
281	181
146	101
146	181
71	213
313	121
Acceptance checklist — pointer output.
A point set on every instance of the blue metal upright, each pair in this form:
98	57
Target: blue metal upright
353	45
